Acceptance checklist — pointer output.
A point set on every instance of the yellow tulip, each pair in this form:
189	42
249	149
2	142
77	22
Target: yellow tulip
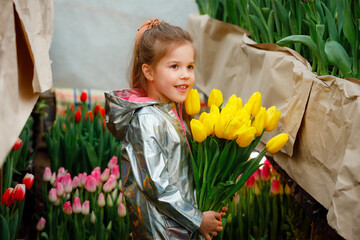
208	121
236	101
192	102
215	98
230	132
198	130
259	122
272	119
229	111
254	104
246	137
243	114
220	124
277	142
214	110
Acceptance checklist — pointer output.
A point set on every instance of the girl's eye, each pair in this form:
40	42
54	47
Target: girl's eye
190	67
173	66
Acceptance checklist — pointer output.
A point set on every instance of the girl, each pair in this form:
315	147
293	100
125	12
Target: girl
156	170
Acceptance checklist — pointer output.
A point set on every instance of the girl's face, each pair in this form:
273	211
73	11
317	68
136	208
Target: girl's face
173	76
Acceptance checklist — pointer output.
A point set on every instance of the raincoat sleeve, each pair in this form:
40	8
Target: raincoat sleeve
152	146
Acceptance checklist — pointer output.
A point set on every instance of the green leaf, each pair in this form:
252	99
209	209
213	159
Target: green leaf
4	229
331	24
260	27
93	159
349	26
338	57
283	13
303	39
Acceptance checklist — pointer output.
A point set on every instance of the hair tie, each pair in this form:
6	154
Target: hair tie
147	25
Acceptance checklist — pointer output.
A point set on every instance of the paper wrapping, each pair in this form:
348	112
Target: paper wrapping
321	114
25	72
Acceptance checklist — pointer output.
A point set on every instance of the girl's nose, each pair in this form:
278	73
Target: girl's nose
185	74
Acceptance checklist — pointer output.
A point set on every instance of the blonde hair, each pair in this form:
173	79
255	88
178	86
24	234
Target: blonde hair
153	46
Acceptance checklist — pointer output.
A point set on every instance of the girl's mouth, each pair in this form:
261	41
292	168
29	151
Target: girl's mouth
182	88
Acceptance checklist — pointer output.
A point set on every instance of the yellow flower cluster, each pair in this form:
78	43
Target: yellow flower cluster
233	121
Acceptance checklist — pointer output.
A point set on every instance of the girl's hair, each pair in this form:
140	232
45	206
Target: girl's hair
153	46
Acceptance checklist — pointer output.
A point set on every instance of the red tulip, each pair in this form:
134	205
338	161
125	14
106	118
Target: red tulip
72	107
265	172
28	180
83	96
250	182
96	109
115	171
8	197
90	184
76	205
19	192
47	174
256	174
104	125
102	112
89	115
113	162
78	116
122	210
67	208
41	224
275	186
17	144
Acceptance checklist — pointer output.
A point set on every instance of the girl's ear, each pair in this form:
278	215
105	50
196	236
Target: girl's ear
147	71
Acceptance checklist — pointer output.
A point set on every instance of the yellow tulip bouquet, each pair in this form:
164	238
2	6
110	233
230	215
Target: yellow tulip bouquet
223	140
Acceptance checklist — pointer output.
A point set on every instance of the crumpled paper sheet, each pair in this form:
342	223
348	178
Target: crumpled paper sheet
321	114
25	71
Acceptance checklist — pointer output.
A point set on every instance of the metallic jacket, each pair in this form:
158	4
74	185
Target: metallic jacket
156	170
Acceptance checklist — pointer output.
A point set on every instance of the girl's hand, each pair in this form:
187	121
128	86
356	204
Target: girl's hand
210	224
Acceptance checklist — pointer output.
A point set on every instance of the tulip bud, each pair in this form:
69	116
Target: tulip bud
254	104
83	96
93	217
120	186
105	175
115	171
75	182
245	137
82	178
78	116
85	209
265	172
231	130
41	224
19	192
59	189
17	144
220	124
250	182
109	200
28	180
257	190
108	228
53	177
277	142
67	208
192	102
101	200
235	101
52	195
243	114
67	183
110	184
208	120
120	198
90	184
122	210
259	122
8	197
104	125
96	109
275	186
257	174
76	205
198	130
272	118
114	193
61	172
215	98
89	115
47	175
287	190
113	162
102	112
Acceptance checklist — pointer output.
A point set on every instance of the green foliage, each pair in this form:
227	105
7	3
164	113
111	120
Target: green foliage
80	145
319	29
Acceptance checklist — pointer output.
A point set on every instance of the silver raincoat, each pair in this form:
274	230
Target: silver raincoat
156	171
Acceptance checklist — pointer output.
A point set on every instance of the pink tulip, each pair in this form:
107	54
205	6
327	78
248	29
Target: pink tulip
58	179
17	144
265	172
257	174
122	210
61	172
250	182
113	162
97	169
85	208
114	193
105	175
96	175
75	182
67	208
47	175
109	200
110	184
52	180
59	189
66	181
275	186
120	186
28	180
92	217
115	171
101	200
82	178
76	205
8	197
19	192
90	184
120	198
41	224
53	195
